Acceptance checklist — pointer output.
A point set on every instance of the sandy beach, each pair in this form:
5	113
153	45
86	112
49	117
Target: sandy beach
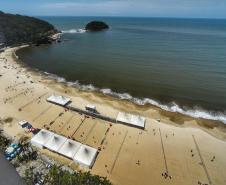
172	149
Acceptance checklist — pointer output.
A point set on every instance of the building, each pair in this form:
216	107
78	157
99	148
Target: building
23	123
91	108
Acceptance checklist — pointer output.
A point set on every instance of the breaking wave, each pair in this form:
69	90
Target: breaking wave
196	112
72	31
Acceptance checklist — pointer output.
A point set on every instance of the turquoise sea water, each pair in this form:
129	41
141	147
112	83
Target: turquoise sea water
177	64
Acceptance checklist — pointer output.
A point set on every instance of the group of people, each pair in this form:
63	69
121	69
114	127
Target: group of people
200	183
166	175
25	92
13	87
192	154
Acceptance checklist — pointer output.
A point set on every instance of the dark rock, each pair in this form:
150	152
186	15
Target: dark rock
96	26
44	40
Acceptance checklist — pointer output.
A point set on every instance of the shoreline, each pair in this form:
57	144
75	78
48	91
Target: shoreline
175	118
125	150
204	114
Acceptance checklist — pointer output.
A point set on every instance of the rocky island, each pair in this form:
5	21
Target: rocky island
96	26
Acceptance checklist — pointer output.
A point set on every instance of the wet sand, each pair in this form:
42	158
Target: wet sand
173	148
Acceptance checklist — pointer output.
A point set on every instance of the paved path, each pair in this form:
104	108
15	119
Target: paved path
8	174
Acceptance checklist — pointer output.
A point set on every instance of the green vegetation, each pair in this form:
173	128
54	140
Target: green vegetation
27	152
58	176
4	142
30	178
8	120
96	26
18	29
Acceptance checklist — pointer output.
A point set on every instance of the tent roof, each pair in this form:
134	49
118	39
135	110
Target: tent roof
91	107
69	148
55	142
86	155
82	154
42	137
61	100
134	120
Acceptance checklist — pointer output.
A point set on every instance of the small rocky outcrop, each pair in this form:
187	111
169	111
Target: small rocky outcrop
96	26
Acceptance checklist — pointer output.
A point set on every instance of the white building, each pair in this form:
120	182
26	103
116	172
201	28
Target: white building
41	138
132	120
55	142
69	148
59	100
91	108
86	156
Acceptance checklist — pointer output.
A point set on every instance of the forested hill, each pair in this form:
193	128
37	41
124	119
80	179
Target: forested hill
18	29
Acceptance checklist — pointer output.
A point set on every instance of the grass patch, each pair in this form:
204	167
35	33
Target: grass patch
58	176
3	142
8	120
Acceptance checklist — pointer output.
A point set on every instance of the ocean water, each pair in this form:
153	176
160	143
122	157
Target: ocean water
177	64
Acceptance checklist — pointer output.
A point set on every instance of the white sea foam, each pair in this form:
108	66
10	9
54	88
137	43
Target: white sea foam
196	112
73	31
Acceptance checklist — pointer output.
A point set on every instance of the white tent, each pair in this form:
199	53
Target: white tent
82	154
91	108
86	156
130	119
41	138
55	142
69	148
60	100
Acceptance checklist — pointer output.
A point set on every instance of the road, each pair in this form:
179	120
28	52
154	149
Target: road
8	174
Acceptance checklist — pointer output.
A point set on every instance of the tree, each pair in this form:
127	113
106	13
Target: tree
57	176
4	142
17	29
29	176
